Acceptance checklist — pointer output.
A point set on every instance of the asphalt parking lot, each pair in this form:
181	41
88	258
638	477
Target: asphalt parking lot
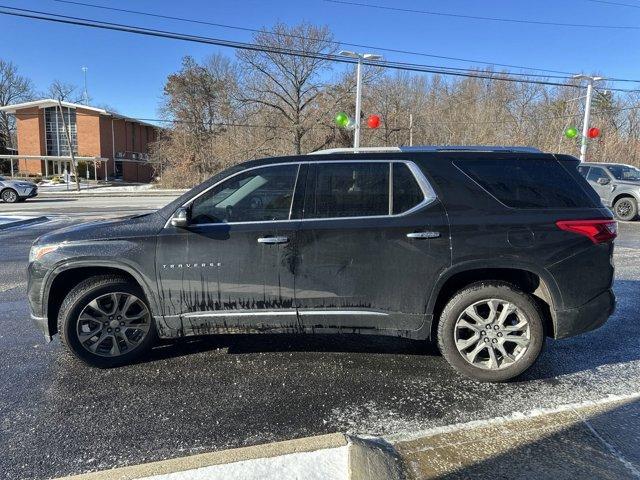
59	417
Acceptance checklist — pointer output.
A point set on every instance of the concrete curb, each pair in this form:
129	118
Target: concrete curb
26	221
367	460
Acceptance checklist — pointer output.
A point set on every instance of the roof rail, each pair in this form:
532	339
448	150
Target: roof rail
356	150
430	148
469	148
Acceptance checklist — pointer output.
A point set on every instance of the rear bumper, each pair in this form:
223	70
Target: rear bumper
589	316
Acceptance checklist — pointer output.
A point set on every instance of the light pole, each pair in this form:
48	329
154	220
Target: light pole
587	111
85	93
359	57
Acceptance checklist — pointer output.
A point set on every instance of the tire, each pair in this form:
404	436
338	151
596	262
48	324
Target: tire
625	208
479	299
9	195
135	337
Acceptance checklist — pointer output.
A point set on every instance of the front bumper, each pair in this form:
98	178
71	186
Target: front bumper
27	192
43	324
585	318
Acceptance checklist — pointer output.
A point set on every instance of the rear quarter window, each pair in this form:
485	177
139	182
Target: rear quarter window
528	182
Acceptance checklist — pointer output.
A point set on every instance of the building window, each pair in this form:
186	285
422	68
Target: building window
56	137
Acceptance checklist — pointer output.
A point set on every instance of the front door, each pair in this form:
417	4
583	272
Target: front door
372	242
604	191
228	270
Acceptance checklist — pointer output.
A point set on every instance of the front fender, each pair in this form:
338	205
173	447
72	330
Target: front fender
131	257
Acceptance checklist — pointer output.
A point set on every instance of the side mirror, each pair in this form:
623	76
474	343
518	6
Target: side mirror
603	181
180	219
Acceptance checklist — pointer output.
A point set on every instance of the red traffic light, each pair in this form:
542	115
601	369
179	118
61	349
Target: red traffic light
593	132
373	121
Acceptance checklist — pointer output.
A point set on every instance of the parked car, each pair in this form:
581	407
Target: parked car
12	191
618	186
485	250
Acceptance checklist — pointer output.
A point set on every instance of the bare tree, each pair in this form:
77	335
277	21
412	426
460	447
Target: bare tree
289	86
14	88
65	92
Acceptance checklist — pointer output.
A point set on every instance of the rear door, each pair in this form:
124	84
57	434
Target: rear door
372	239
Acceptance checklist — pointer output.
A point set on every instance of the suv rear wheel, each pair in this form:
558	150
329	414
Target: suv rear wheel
491	331
106	321
625	208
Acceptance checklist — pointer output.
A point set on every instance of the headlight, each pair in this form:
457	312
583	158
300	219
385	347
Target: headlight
39	251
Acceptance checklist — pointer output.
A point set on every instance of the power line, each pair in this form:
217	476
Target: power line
605	2
356	45
271	126
477	17
78	21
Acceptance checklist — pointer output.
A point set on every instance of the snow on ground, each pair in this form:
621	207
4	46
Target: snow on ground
328	464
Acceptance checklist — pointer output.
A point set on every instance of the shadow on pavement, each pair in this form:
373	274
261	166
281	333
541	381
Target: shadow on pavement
261	343
594	442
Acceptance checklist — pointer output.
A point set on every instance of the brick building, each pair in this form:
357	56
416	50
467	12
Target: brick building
108	145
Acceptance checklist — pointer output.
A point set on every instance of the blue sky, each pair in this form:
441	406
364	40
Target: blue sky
128	71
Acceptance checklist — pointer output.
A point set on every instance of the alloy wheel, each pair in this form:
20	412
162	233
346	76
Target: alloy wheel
492	334
113	324
624	208
9	196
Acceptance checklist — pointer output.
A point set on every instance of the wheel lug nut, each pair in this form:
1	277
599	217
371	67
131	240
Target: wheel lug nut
495	340
119	317
117	329
105	324
483	333
487	340
110	317
488	327
496	327
499	334
109	330
122	324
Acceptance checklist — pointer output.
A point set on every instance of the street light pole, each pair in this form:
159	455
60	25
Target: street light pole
587	112
356	133
359	57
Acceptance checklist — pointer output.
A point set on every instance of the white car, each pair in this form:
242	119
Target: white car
12	191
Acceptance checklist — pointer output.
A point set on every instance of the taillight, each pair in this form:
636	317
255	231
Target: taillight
598	231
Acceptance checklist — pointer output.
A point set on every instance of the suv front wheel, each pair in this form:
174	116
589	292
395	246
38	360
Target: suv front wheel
106	321
626	208
491	331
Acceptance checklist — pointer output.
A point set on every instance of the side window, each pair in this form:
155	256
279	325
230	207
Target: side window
406	191
261	194
583	171
350	190
595	173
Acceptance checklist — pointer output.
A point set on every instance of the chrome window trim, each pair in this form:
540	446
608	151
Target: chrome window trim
429	194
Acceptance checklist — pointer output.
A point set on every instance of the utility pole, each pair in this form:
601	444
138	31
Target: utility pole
359	57
73	158
411	129
587	112
85	93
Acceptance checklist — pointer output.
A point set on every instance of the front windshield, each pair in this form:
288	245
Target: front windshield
624	172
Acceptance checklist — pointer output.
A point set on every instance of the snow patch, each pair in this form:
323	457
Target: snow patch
327	464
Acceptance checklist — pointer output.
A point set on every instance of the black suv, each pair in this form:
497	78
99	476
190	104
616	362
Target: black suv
486	250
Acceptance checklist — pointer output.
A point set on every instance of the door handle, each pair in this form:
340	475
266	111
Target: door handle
273	240
423	235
